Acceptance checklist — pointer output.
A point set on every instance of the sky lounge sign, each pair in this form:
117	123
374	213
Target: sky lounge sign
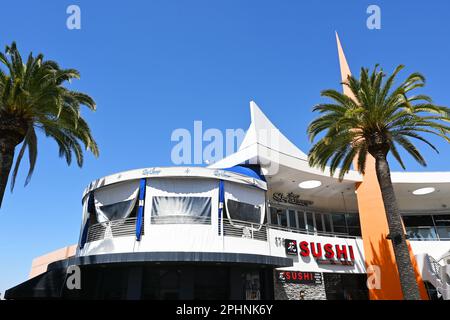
323	253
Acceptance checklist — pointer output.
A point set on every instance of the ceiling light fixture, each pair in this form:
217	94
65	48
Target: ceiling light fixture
423	191
310	184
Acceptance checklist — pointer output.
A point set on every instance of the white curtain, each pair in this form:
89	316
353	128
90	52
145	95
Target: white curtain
248	195
116	201
182	200
181	209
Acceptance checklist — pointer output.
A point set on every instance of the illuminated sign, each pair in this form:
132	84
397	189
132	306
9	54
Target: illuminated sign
331	254
299	277
328	253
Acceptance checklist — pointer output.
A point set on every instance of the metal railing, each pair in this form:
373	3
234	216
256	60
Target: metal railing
244	229
231	228
312	232
113	229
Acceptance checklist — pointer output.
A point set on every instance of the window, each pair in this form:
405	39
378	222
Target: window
319	224
354	229
339	224
292	220
420	227
273	215
189	210
310	221
283	219
327	221
243	211
301	220
443	226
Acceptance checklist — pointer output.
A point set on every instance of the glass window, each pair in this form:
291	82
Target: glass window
244	211
319	224
327	220
283	218
339	224
301	220
191	210
292	220
420	227
354	229
443	226
309	221
418	221
273	215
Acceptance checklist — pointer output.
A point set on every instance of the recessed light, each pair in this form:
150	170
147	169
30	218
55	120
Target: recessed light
310	184
423	191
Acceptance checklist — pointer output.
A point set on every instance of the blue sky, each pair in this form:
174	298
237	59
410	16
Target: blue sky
154	66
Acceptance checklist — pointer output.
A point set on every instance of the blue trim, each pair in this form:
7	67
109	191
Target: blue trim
90	209
140	209
221	204
84	234
247	172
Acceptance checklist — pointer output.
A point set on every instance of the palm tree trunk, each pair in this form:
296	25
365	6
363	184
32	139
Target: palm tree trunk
6	161
405	268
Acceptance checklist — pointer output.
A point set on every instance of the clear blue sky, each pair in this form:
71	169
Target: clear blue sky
154	66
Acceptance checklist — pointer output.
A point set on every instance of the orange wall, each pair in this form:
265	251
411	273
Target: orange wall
377	249
39	264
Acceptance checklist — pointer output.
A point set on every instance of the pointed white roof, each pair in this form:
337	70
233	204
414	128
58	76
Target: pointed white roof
262	131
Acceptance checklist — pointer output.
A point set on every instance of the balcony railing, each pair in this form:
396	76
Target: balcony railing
244	229
113	229
311	232
231	228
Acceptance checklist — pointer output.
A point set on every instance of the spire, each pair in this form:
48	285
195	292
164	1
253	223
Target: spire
345	69
262	131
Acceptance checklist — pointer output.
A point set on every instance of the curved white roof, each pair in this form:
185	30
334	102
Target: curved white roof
174	172
285	166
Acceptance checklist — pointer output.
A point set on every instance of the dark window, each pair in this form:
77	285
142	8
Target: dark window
211	283
327	220
354	229
292	220
443	226
339	225
283	219
319	224
244	211
420	227
273	215
418	221
309	221
345	286
301	219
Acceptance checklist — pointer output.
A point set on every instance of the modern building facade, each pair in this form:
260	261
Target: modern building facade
258	224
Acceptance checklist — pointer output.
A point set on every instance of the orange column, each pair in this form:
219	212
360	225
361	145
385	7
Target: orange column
378	250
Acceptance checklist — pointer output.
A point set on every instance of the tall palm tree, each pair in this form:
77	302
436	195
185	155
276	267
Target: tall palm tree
377	120
33	98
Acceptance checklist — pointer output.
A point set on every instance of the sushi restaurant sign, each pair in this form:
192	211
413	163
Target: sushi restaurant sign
323	253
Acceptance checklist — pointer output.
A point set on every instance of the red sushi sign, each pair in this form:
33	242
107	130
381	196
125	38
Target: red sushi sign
323	253
299	277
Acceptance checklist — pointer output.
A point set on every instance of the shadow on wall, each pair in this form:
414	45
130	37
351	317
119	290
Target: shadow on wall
390	288
389	285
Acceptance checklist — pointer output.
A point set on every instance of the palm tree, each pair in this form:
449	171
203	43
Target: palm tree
377	120
33	98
